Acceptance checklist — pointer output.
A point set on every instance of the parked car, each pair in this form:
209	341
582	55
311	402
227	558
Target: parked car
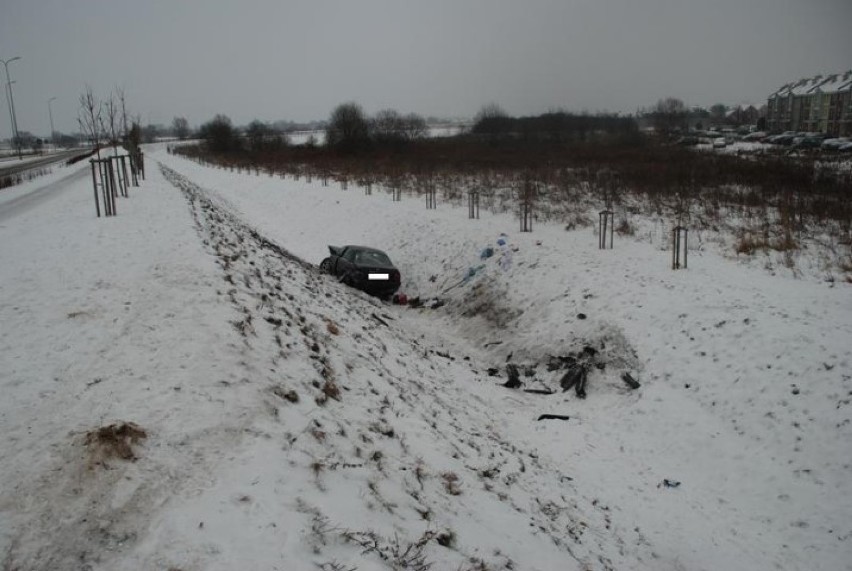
845	147
687	141
787	140
364	268
755	136
719	143
834	144
809	142
784	138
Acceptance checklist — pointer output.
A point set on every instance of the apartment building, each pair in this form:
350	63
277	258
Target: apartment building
821	104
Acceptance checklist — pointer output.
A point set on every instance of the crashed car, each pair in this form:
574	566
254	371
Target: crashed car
364	268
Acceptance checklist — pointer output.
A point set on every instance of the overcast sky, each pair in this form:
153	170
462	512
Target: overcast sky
297	59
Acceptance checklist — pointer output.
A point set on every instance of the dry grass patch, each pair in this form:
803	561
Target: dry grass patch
331	390
332	327
451	483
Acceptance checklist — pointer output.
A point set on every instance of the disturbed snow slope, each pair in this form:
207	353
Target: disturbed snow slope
747	376
290	422
389	445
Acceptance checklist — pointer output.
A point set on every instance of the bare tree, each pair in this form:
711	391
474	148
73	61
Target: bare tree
89	117
111	122
389	126
718	112
348	128
386	126
122	101
669	115
414	127
134	135
180	126
219	135
258	133
491	120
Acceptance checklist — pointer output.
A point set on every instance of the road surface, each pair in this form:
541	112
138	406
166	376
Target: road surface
38	195
17	167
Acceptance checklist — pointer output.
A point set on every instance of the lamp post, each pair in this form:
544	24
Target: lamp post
11	98
52	130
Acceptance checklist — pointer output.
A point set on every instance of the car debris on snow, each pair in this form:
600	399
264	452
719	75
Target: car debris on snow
553	417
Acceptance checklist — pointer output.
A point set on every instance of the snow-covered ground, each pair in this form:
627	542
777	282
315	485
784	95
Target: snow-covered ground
302	137
737	147
294	424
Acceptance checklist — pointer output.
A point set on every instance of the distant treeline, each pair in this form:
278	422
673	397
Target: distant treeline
557	126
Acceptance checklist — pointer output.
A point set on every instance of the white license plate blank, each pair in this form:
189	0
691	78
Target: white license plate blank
378	276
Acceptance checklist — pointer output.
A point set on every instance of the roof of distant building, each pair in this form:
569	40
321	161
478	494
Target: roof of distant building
831	83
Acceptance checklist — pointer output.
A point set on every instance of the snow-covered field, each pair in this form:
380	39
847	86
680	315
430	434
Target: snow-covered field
291	423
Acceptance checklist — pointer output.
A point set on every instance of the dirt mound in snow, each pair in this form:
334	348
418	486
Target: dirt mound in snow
486	298
113	441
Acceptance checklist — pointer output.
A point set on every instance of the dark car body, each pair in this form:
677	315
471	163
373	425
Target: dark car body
364	268
807	142
688	141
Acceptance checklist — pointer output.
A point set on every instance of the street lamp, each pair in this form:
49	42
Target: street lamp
11	100
52	130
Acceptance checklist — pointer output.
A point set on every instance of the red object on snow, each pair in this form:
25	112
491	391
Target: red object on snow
400	299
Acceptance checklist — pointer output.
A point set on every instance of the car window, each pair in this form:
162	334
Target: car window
349	254
368	257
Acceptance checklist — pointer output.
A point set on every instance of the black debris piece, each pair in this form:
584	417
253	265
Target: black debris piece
572	377
415	302
445	355
631	382
553	417
554	364
514	381
580	387
380	320
669	484
569	379
581	316
493	371
574	369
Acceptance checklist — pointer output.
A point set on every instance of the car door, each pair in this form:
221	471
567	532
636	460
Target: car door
345	262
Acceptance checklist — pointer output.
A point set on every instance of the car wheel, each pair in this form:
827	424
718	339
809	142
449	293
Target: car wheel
325	266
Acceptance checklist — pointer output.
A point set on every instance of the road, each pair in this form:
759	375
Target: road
38	195
10	169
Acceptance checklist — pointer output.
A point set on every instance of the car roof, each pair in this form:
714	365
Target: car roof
363	248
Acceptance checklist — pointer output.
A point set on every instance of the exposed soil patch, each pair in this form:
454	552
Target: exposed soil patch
114	441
